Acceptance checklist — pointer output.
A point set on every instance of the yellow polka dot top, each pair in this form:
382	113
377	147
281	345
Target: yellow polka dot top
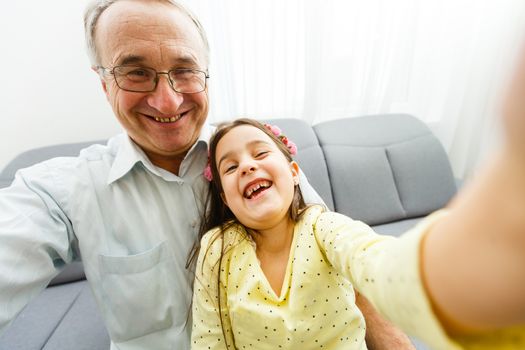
330	255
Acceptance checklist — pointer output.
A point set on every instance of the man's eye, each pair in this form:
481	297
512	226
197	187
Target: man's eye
183	73
139	74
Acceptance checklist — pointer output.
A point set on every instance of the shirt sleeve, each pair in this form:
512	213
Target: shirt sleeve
209	331
386	270
35	240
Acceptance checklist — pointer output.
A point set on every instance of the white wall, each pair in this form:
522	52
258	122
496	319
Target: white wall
48	93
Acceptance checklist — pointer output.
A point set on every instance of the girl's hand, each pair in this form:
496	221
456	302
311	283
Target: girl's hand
473	260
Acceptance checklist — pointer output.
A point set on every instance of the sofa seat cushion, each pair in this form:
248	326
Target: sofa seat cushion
396	228
62	317
71	273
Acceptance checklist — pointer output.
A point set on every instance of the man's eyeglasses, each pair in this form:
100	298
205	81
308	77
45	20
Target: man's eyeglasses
143	79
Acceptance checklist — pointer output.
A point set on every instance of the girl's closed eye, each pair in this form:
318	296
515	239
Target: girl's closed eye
229	168
261	153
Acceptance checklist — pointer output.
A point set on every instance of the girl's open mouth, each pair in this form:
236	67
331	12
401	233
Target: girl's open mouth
254	190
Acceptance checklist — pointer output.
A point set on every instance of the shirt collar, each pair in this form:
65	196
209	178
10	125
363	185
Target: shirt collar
129	154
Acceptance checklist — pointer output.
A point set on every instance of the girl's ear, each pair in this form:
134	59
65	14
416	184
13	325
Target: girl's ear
295	172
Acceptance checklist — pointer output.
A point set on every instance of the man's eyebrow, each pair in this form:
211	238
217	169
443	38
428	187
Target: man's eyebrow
136	59
131	59
185	60
229	154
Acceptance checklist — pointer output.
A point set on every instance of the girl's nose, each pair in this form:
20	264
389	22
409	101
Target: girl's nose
248	169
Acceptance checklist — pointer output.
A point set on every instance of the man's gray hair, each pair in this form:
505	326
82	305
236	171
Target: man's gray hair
97	7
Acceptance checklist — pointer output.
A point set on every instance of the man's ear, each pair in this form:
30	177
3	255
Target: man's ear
295	172
102	81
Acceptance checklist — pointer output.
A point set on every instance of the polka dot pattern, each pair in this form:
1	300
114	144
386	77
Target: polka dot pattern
330	255
316	308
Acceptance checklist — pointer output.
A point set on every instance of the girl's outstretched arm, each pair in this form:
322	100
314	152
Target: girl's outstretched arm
473	261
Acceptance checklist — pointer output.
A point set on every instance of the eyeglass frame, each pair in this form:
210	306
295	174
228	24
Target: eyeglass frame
108	70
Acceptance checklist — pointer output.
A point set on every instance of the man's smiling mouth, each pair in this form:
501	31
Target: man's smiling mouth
167	119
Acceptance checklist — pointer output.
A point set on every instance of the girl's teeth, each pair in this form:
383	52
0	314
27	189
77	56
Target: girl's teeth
250	191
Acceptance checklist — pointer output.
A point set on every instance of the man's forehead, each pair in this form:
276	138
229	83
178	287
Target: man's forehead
135	31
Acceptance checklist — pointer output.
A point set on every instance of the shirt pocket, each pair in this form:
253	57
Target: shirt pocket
138	293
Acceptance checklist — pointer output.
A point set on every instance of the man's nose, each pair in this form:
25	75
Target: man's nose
164	98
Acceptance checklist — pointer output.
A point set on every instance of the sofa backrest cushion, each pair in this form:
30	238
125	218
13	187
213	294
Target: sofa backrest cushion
309	156
36	155
385	168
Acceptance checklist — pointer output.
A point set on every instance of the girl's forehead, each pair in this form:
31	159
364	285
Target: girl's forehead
241	137
243	134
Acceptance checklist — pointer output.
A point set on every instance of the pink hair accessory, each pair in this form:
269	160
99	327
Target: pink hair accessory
274	129
292	147
207	172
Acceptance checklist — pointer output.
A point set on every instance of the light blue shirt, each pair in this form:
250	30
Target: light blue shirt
131	223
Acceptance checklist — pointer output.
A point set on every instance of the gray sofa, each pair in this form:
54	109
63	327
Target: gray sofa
386	170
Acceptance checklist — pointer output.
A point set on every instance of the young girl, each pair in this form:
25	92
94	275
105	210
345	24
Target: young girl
274	273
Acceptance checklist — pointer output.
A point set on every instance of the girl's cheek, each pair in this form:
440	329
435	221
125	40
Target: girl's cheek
226	186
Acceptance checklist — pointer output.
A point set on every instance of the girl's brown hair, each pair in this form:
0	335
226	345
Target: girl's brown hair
217	213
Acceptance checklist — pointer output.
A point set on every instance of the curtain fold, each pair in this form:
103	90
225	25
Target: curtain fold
443	61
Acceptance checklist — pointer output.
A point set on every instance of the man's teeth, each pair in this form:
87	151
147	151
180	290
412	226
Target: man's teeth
263	184
168	120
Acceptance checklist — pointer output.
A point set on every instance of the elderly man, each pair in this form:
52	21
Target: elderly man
129	210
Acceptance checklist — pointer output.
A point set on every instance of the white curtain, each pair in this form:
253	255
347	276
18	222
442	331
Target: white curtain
443	61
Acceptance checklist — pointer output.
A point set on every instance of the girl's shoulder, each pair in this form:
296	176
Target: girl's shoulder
224	237
318	215
322	221
311	213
